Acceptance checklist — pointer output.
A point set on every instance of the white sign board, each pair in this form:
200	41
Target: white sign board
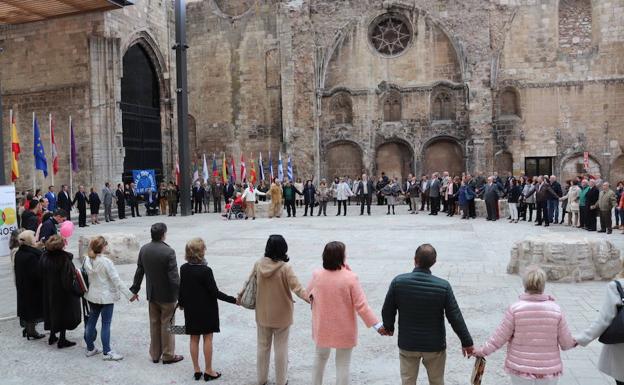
8	218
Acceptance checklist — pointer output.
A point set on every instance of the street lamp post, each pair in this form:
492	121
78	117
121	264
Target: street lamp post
182	99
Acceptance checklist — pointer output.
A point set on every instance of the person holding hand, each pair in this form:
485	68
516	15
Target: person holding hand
422	300
536	331
336	297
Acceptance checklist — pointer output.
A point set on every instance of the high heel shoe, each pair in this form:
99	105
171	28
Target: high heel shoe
35	336
198	375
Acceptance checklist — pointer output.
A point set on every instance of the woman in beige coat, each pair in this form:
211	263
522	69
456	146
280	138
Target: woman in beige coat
573	205
274	308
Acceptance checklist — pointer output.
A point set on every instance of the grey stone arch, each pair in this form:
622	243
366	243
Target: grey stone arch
571	165
426	165
393	155
340	107
150	46
342	157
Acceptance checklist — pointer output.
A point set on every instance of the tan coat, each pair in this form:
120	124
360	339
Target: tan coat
274	301
606	200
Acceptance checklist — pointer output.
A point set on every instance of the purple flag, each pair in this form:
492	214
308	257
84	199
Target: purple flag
74	158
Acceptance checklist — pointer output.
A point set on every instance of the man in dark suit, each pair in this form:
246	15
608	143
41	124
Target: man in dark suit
157	262
64	201
543	193
217	193
228	191
491	194
81	200
121	201
364	192
133	200
198	197
29	217
434	194
591	201
422	301
48	227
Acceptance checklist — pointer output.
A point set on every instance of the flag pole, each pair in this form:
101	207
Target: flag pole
71	171
50	118
34	158
10	145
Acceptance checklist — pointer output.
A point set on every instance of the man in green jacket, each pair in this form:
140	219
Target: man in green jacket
606	204
422	301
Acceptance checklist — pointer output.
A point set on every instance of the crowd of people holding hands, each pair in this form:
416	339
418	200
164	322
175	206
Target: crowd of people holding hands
534	328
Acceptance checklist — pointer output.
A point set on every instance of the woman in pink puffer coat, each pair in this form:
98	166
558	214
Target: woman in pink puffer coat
535	330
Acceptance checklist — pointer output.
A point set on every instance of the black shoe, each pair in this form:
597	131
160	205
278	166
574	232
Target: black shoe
53	339
602	231
546	225
63	343
208	377
198	375
35	336
23	332
609	231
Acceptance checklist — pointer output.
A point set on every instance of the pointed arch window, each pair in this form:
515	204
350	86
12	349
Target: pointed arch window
392	106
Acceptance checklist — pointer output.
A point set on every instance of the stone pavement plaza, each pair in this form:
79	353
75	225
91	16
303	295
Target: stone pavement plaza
472	255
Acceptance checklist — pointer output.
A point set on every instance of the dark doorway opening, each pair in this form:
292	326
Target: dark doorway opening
140	107
538	166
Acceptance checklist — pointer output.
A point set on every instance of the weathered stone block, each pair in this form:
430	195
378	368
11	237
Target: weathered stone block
122	248
566	257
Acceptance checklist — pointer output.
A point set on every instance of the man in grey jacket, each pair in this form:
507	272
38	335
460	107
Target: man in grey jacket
107	200
434	194
157	261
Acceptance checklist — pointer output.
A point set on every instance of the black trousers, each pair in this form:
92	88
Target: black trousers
365	200
290	205
542	213
606	223
583	216
490	206
424	201
591	219
342	203
311	206
134	209
217	204
82	217
451	206
435	204
619	382
198	205
121	210
472	209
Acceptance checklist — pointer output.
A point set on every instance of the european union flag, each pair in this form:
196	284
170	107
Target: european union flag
40	159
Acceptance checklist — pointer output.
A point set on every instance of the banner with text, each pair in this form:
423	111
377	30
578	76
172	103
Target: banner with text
143	180
8	218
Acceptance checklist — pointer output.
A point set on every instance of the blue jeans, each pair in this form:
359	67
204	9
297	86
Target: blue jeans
619	216
90	333
553	210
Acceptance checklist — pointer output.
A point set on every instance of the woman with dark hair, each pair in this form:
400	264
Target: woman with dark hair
337	296
28	284
513	197
274	307
61	307
309	196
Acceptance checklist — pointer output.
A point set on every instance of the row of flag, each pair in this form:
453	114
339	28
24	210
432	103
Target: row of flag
228	169
39	154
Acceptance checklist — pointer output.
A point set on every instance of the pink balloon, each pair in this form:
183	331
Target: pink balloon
67	229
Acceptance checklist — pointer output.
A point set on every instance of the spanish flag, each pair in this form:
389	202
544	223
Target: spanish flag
253	170
224	173
15	150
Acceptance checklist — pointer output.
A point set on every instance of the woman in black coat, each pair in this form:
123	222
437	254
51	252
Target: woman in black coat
309	194
28	284
94	206
198	298
61	307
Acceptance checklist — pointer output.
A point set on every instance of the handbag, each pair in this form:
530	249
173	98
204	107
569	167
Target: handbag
477	372
85	275
250	291
173	328
615	332
78	287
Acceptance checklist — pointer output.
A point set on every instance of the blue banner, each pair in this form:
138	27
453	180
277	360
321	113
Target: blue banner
143	180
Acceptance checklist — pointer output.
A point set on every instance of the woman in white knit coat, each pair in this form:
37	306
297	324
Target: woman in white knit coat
573	205
612	356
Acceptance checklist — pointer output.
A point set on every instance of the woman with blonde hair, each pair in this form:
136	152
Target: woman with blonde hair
105	287
198	298
611	356
536	331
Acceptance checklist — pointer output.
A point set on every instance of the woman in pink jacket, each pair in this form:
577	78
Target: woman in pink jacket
336	296
535	330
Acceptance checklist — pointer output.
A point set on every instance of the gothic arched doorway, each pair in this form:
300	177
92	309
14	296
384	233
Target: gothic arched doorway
343	158
395	159
443	155
140	107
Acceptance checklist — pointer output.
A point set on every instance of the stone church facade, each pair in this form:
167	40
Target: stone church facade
343	86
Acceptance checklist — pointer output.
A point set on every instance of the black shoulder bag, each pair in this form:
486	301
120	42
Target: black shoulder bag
615	332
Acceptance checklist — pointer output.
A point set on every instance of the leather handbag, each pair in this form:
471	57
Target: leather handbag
615	332
173	328
250	291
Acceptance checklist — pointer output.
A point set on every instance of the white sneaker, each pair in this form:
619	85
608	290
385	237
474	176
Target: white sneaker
112	356
91	353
